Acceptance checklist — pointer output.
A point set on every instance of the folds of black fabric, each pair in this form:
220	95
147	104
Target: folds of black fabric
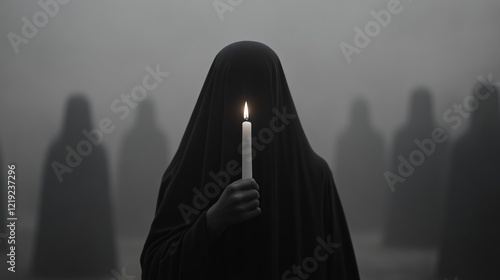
300	206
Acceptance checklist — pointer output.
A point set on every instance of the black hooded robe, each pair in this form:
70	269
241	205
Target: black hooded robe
470	247
415	213
143	158
361	147
75	235
301	232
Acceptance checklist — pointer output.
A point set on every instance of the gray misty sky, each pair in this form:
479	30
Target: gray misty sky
101	48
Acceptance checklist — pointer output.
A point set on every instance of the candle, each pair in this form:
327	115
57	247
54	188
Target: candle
246	147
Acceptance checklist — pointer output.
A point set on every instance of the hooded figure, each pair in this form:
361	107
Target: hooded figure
361	150
301	230
143	159
470	247
416	205
75	233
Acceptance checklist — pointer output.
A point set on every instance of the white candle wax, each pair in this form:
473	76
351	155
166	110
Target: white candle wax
246	147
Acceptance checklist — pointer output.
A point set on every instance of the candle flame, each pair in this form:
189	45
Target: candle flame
245	112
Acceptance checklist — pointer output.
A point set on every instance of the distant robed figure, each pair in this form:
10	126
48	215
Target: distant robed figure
415	214
142	161
359	163
470	246
75	236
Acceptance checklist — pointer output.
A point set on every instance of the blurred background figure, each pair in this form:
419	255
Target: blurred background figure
75	230
416	205
142	161
471	245
359	171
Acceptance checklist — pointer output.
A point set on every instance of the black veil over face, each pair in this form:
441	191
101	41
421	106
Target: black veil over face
298	199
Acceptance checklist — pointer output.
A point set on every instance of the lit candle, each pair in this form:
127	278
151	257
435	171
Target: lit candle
246	147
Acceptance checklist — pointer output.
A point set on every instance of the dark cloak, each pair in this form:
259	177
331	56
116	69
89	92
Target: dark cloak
361	149
416	205
143	158
298	197
75	233
470	247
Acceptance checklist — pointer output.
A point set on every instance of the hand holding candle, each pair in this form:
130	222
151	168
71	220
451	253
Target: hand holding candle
241	194
246	147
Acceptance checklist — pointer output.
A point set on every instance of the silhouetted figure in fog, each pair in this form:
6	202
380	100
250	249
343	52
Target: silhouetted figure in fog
75	236
143	159
416	205
471	241
359	167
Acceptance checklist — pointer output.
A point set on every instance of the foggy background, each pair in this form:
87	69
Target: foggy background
101	49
